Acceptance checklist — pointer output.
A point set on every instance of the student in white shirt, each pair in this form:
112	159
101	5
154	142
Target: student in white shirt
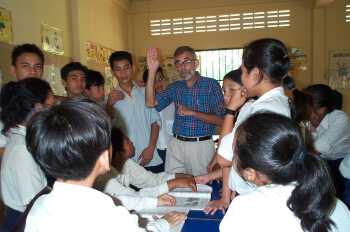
71	141
264	68
293	190
125	172
166	115
232	82
21	177
330	128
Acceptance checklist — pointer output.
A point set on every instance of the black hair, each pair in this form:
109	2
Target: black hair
72	66
118	56
26	48
145	74
117	138
235	76
323	96
338	99
301	106
182	49
94	78
18	100
270	56
272	144
67	139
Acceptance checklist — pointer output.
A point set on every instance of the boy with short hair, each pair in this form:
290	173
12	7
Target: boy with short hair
73	79
27	60
71	142
94	86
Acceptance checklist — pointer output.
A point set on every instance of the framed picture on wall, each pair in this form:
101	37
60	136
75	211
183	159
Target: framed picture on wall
339	69
52	39
5	25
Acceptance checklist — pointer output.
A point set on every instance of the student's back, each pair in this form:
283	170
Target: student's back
76	208
266	209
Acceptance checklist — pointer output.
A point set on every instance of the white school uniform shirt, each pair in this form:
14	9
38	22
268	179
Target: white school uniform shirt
274	101
166	131
21	176
152	185
332	136
70	207
265	209
133	116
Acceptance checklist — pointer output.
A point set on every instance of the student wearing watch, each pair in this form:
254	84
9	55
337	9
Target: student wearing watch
264	68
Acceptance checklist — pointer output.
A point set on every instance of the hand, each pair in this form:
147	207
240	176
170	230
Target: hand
166	200
146	156
216	205
203	179
152	61
182	182
174	218
115	96
238	98
184	111
212	163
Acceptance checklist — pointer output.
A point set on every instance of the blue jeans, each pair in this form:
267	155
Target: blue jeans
159	168
346	193
11	218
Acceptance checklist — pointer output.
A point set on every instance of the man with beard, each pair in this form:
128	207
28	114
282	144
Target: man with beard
199	109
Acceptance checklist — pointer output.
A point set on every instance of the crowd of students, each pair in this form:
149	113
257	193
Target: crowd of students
284	161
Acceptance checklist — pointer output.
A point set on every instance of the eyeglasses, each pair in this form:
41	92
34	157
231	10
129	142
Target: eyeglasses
185	62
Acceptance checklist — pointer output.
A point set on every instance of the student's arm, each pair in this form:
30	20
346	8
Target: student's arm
224	201
153	65
205	179
147	154
205	117
236	101
113	97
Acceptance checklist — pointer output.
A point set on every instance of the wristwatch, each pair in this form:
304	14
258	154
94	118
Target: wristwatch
232	112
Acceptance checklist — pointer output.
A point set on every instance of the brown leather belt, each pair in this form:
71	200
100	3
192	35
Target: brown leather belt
192	139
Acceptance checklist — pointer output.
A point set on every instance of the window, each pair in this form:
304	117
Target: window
216	63
221	23
347	12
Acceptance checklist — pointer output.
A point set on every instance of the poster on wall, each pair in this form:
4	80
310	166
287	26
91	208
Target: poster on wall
97	52
52	39
339	69
5	25
167	64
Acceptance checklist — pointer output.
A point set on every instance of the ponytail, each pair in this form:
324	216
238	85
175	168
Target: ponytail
288	82
313	199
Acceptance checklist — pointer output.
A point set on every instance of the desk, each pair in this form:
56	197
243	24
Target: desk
199	221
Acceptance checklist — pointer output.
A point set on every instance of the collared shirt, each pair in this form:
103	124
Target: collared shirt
273	101
136	119
332	136
21	177
204	96
152	185
70	207
266	209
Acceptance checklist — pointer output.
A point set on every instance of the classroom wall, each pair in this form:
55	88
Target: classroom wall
104	22
298	35
330	33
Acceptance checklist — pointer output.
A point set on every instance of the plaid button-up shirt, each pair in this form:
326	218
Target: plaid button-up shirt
204	96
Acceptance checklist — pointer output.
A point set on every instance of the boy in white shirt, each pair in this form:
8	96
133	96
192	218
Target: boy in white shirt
71	141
